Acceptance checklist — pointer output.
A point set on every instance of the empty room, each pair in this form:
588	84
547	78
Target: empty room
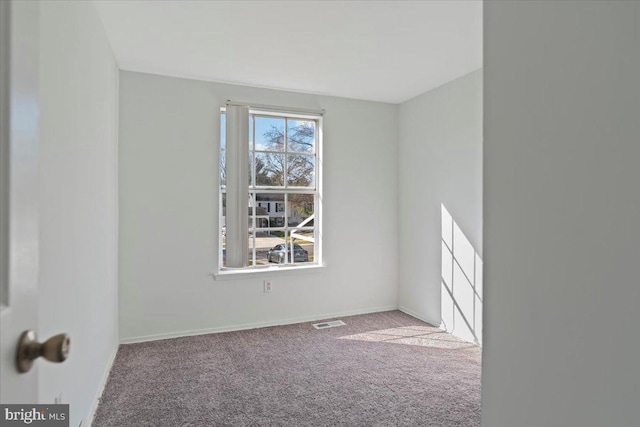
319	213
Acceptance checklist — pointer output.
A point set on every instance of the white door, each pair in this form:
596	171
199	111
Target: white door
19	34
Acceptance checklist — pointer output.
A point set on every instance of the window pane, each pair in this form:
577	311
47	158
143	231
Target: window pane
223	131
269	169
269	134
301	170
301	135
223	227
251	132
224	247
268	212
301	209
224	209
252	210
269	247
223	153
223	170
302	244
252	241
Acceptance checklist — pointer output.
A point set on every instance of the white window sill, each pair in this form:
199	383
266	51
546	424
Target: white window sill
248	273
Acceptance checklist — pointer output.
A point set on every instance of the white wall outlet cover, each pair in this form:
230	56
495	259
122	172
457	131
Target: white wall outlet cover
267	286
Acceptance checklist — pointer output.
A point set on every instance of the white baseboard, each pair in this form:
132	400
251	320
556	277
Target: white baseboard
245	326
88	421
417	316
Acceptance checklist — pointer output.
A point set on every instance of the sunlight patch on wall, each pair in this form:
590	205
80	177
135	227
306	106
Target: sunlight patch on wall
461	272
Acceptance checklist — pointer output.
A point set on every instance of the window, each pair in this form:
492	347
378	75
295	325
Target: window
269	195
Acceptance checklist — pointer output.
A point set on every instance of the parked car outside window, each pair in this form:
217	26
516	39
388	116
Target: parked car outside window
277	254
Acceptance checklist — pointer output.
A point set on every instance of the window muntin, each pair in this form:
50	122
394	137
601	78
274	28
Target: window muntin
283	193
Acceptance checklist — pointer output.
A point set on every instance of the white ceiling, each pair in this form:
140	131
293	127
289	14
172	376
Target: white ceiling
386	51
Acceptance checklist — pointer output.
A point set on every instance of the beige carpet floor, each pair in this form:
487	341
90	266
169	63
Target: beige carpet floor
382	369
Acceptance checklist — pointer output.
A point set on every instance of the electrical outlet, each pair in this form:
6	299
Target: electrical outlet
267	286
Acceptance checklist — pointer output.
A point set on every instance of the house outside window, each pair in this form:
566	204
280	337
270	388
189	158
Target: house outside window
270	170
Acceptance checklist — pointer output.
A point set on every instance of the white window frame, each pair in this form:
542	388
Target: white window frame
277	112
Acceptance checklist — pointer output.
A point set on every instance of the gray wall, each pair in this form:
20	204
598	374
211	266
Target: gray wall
169	128
440	164
562	204
78	169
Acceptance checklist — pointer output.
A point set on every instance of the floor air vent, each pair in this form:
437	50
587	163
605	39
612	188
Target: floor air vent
326	325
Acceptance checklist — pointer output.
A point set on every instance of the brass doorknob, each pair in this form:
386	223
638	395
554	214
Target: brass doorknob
55	349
